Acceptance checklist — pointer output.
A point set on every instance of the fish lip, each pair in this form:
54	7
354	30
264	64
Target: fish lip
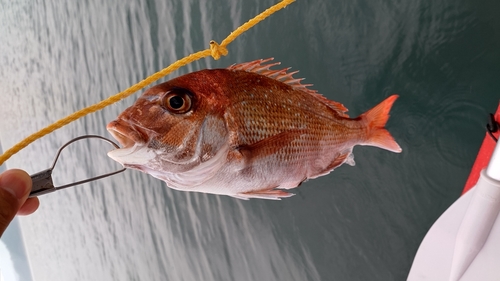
126	133
135	156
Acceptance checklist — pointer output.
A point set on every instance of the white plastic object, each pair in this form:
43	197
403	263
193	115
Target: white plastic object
464	243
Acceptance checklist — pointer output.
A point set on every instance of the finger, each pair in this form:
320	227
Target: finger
8	208
15	186
29	207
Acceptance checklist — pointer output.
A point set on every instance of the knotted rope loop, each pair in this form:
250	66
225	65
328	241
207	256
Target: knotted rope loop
217	50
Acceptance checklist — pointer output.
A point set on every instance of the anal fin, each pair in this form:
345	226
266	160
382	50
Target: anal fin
350	159
343	157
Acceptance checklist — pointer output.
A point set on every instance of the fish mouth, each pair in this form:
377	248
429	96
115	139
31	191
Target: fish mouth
134	152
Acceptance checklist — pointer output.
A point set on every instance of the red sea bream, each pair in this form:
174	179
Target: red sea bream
246	131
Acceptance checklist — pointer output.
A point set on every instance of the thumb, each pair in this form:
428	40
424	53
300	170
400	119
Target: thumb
15	186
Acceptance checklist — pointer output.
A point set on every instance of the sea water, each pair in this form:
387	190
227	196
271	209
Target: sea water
358	223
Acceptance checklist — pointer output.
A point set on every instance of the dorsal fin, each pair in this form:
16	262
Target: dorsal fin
260	67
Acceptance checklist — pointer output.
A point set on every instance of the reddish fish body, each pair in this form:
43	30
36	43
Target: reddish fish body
246	131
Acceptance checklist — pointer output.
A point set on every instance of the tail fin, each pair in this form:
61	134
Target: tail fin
375	120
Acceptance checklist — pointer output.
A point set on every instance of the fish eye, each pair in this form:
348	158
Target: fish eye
177	101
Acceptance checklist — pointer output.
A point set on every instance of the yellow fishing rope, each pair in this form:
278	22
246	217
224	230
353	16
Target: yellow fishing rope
216	51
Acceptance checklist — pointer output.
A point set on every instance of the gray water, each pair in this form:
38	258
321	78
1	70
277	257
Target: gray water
358	223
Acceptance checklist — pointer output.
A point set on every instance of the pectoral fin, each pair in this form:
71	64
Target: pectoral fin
271	145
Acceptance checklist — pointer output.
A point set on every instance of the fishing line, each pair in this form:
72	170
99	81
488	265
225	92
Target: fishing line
215	50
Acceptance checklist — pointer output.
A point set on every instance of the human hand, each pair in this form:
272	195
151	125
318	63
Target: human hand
15	186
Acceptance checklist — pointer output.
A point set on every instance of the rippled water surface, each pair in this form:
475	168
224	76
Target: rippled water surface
358	223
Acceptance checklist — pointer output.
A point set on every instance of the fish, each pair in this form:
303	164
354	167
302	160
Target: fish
246	131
